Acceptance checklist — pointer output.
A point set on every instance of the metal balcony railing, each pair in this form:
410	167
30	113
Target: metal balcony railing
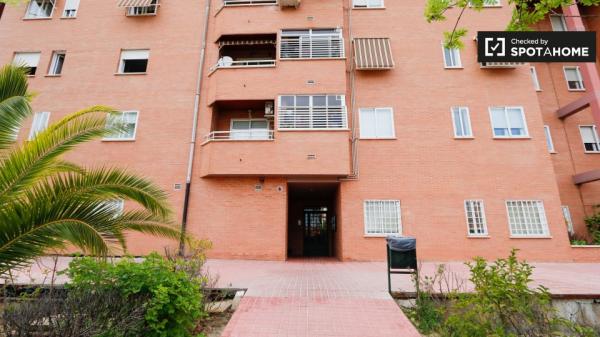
307	117
311	46
248	2
240	135
243	64
143	11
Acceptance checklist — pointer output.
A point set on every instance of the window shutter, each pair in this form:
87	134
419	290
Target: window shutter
587	134
140	54
27	59
498	118
71	5
368	124
385	123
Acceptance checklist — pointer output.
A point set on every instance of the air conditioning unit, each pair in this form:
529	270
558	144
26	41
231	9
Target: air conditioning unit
269	109
289	3
501	64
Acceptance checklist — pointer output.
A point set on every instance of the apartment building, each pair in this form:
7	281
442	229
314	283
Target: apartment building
318	128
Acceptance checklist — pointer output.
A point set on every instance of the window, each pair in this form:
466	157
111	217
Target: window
574	79
382	217
28	60
376	123
589	135
40	9
71	7
568	220
462	122
127	122
475	213
243	129
143	10
534	79
118	205
56	65
39	124
491	3
368	4
451	57
134	61
312	112
508	122
312	43
527	218
558	23
549	141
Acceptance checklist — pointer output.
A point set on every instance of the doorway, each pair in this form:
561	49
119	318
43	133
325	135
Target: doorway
312	219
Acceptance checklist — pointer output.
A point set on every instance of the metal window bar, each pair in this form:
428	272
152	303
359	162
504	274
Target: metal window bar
312	46
241	135
244	64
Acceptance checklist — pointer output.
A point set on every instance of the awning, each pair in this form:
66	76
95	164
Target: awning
223	43
373	54
135	3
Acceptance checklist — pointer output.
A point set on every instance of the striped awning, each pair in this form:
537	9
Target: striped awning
373	54
223	43
135	3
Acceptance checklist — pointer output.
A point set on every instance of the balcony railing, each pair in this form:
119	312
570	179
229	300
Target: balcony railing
240	135
243	64
307	117
249	2
143	11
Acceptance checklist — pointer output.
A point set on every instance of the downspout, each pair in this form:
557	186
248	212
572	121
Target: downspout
354	137
191	155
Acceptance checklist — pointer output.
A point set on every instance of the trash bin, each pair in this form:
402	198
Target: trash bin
402	252
401	257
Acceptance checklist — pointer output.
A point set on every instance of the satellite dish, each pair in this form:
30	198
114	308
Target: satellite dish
226	61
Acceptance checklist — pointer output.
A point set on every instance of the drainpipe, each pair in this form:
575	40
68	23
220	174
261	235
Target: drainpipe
190	166
354	133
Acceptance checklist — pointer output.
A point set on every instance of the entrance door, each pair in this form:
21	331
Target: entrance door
316	231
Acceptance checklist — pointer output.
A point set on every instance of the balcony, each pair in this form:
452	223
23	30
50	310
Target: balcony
246	51
301	153
242	121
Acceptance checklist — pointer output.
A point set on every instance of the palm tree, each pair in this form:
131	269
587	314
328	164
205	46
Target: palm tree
49	203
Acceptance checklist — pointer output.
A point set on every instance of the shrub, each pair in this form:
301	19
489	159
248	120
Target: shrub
593	226
174	302
501	305
79	314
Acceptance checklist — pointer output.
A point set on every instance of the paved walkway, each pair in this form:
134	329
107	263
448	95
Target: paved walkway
311	298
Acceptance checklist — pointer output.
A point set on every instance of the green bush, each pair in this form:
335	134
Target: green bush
501	305
174	302
593	226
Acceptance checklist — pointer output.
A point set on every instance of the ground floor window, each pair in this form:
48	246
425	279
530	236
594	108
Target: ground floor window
527	218
475	213
382	217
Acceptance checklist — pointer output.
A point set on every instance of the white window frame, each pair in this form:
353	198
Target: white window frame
312	112
311	36
368	4
54	60
577	74
568	219
468	114
509	136
483	220
377	110
39	123
594	134
549	141
35	55
265	132
534	78
70	5
124	139
455	55
526	216
122	60
367	217
563	23
27	13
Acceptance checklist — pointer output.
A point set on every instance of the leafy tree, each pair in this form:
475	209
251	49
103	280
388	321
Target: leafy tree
525	14
47	202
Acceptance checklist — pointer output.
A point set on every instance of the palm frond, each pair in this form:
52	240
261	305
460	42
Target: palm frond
14	104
